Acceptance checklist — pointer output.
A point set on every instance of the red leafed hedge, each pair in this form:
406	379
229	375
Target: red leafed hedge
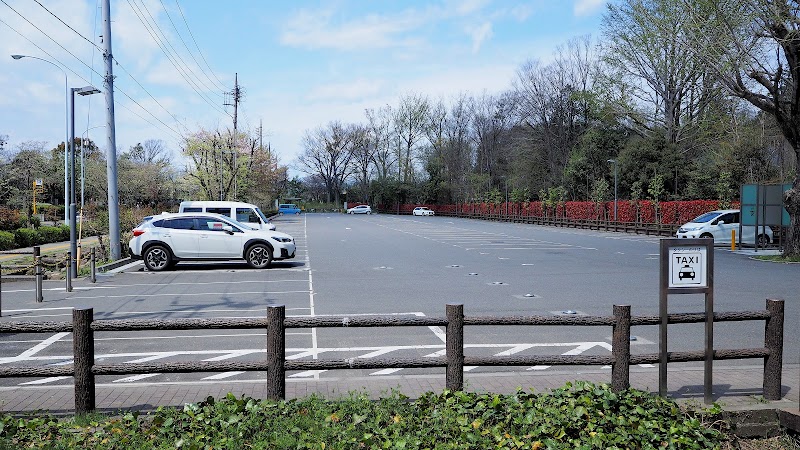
643	211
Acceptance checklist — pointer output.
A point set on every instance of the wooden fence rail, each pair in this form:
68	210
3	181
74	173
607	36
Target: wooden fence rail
84	369
656	229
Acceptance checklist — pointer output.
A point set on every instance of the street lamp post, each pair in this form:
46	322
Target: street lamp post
73	242
66	129
84	136
614	162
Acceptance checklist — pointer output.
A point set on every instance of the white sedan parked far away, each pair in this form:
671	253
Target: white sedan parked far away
422	211
360	209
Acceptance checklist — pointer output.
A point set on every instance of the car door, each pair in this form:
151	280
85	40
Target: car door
216	242
722	231
182	236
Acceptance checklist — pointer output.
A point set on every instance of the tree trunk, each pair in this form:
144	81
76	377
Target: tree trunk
791	200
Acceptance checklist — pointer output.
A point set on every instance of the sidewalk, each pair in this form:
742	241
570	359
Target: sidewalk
735	388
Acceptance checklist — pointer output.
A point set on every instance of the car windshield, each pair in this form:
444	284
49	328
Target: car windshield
261	214
707	217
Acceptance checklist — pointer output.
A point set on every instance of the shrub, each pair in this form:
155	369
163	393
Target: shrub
47	234
25	237
7	241
10	219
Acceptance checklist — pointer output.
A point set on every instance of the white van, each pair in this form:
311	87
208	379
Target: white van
242	212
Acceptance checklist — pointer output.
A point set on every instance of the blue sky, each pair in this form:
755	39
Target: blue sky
301	64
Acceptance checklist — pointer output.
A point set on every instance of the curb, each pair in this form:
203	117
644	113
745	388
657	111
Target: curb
114	265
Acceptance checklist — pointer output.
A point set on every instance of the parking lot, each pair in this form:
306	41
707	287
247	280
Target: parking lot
403	266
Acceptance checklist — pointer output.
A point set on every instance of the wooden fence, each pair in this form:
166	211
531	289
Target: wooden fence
656	229
84	369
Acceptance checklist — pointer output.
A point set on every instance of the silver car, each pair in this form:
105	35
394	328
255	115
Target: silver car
166	239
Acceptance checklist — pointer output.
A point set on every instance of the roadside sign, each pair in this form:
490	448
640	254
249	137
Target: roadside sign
38	182
688	267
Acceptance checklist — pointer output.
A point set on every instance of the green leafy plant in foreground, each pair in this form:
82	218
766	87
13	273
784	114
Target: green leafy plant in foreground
580	415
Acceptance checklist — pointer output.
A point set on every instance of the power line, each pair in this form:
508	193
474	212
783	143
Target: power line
198	47
192	84
187	47
95	46
84	79
67	25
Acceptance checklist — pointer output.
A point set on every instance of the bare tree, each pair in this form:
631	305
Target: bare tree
410	120
380	128
327	153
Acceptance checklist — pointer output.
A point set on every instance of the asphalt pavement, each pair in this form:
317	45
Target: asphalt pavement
402	266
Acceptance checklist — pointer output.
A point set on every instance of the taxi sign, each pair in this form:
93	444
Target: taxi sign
688	267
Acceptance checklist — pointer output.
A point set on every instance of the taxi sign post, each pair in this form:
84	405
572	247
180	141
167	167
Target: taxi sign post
687	267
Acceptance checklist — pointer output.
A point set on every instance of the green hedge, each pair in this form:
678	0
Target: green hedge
27	237
7	240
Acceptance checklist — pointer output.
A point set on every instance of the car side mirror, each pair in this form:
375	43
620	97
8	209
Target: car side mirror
228	229
721	222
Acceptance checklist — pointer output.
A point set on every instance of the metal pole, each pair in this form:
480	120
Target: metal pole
94	267
37	259
69	272
615	190
111	150
1	290
73	229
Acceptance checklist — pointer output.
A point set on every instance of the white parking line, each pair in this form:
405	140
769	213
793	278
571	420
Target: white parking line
199	294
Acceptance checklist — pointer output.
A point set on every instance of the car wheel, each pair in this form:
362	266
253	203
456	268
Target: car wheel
763	240
157	258
706	235
259	256
369	212
297	213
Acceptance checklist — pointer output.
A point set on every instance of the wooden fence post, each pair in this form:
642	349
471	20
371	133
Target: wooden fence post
83	354
621	348
454	347
773	340
276	353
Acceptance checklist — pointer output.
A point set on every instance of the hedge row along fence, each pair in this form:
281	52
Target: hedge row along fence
84	368
29	237
644	211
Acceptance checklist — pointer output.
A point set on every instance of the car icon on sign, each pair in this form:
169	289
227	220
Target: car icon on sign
686	272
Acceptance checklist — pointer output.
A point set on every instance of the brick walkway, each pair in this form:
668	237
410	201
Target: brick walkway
734	388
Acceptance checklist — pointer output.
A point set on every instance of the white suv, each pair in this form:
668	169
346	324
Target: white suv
168	238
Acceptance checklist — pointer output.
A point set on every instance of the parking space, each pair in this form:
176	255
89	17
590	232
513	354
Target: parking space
388	265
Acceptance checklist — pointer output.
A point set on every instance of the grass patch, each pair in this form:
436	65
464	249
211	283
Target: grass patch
579	415
778	258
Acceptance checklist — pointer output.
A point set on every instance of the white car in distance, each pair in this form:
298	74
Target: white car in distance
720	225
422	211
360	209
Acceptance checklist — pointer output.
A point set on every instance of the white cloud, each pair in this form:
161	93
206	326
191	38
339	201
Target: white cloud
587	7
314	30
479	35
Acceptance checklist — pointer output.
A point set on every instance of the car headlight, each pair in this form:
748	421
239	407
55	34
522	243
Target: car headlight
281	239
684	230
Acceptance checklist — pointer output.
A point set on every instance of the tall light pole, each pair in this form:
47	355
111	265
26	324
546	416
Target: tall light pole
84	136
73	229
614	162
66	130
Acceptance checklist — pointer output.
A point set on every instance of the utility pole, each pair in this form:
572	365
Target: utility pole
236	94
111	144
